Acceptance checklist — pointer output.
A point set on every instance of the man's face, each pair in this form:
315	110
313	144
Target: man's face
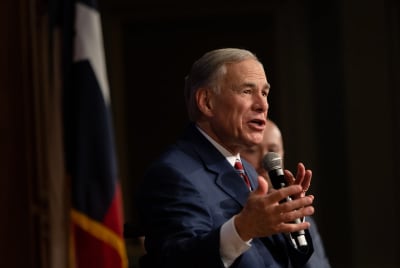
240	109
272	141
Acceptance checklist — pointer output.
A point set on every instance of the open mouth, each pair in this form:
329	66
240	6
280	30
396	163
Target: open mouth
258	122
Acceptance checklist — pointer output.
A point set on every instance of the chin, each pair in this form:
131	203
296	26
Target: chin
257	140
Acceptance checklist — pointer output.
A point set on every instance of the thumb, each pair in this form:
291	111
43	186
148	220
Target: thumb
262	188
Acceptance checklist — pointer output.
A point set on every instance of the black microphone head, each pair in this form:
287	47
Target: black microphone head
272	161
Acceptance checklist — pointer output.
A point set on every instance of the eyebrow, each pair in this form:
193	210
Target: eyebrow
250	84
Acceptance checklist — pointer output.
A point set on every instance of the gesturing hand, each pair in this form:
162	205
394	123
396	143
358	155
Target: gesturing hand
303	178
263	215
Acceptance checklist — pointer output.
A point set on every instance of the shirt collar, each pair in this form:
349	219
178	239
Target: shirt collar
228	155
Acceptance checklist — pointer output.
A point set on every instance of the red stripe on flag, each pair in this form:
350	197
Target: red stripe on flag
92	252
113	218
99	244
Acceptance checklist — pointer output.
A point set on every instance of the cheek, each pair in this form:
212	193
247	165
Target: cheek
220	109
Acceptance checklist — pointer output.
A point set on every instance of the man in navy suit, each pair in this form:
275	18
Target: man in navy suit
194	208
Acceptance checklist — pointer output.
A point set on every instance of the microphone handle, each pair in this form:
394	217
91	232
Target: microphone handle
278	181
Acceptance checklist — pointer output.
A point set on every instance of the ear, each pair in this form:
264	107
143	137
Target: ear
203	99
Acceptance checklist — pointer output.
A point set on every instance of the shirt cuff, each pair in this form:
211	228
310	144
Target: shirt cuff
232	246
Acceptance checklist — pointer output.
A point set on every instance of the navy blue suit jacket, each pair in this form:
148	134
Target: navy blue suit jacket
318	259
186	196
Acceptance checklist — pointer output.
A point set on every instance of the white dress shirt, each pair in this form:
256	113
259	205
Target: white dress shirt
232	246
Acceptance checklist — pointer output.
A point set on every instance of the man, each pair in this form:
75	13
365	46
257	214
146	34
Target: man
273	142
196	210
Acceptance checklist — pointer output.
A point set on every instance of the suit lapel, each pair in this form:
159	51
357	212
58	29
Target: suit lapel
230	182
226	177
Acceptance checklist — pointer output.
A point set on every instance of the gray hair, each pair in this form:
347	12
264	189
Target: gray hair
208	71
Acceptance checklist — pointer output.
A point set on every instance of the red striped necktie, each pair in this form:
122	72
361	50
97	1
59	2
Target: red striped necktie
239	168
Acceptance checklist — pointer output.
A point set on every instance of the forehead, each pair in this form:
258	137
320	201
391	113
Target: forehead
249	70
272	134
246	67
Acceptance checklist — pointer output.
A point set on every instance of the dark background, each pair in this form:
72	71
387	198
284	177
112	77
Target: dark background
334	94
334	70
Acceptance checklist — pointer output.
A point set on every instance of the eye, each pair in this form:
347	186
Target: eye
247	91
273	148
250	150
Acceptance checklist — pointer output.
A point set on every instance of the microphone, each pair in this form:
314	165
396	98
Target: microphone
272	163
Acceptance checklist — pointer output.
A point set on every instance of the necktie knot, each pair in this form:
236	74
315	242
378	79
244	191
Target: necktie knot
239	166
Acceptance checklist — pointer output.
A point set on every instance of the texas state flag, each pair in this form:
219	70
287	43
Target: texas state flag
96	201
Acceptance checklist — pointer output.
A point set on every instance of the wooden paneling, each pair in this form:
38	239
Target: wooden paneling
32	191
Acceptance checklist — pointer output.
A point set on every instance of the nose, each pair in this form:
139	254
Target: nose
261	103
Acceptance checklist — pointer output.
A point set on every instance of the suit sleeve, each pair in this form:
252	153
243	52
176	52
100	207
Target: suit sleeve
319	258
299	258
177	223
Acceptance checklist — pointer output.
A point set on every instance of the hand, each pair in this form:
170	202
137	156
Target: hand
303	178
263	215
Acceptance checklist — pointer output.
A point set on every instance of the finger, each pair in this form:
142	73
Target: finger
293	227
303	178
301	171
284	193
307	180
289	177
295	215
262	188
296	206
